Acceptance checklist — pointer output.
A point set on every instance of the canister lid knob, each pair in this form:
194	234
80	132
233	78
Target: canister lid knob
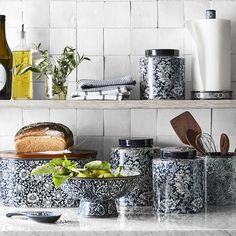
135	142
210	14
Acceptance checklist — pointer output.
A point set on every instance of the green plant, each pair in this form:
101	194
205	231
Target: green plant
63	170
59	67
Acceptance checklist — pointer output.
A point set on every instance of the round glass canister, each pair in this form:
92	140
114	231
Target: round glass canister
178	181
162	74
220	179
136	154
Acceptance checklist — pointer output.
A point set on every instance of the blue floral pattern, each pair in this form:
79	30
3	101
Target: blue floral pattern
179	185
98	195
19	189
139	160
221	180
161	78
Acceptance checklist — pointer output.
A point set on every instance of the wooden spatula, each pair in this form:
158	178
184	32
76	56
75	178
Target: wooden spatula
184	122
224	144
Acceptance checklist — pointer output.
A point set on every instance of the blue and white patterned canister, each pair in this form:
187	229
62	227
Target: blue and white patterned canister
19	189
220	179
136	154
178	181
162	74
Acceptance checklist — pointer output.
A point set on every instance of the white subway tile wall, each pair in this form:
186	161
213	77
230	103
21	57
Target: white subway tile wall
100	129
114	34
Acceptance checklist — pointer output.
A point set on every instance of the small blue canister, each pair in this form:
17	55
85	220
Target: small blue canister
162	74
136	154
178	181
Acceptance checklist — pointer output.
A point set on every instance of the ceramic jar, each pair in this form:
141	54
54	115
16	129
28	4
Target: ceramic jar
162	75
178	181
19	189
220	180
136	155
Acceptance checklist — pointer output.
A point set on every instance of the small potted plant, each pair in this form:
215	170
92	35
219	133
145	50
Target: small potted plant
55	69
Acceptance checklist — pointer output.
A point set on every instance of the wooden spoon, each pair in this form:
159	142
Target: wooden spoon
224	144
191	137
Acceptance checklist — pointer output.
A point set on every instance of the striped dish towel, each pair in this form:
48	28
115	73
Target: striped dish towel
105	85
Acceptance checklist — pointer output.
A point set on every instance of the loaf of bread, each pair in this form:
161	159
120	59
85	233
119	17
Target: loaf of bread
43	136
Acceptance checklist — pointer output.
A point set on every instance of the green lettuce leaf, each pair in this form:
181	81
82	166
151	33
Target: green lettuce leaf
58	180
98	165
44	169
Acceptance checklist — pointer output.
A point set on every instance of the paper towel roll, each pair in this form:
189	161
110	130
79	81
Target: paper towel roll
211	65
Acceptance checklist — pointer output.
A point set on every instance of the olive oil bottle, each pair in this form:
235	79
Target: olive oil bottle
5	63
22	57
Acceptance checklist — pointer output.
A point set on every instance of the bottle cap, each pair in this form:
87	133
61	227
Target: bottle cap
2	18
161	52
135	142
210	14
181	152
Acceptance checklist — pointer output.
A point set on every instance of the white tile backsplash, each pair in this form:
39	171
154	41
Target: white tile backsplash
91	143
143	14
90	14
67	117
143	39
36	36
202	116
224	120
171	14
171	38
90	122
117	14
35	115
13	11
10	121
60	38
116	66
116	41
92	69
195	9
86	42
143	122
117	123
63	14
114	34
36	13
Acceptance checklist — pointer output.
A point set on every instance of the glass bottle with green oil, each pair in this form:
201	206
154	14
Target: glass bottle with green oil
22	83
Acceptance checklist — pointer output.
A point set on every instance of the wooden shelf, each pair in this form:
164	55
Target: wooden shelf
127	104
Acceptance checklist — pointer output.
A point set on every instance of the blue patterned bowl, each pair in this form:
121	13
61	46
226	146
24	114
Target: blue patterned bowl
97	196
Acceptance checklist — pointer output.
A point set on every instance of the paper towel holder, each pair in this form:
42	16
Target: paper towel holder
210	84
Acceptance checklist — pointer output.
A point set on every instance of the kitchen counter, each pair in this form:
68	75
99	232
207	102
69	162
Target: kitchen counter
217	222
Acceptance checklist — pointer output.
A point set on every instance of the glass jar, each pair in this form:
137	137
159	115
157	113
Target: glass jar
162	74
178	181
54	89
136	154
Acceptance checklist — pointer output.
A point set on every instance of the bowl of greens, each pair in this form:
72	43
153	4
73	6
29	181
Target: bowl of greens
96	184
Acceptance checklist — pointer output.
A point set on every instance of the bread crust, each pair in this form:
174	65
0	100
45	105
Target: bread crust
43	136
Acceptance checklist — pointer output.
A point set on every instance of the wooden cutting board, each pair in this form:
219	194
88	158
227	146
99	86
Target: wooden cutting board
76	154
